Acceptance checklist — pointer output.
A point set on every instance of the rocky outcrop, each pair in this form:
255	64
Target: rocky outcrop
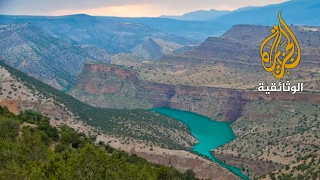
116	70
218	103
14	106
96	87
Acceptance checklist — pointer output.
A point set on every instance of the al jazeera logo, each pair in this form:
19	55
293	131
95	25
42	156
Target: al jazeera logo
279	53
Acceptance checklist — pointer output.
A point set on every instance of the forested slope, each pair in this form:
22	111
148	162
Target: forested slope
31	149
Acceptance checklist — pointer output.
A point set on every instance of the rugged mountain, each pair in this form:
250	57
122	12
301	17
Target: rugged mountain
220	64
201	15
242	43
53	49
115	36
233	60
308	14
121	129
44	55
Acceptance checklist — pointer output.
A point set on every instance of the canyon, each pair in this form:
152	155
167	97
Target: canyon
19	92
217	79
99	82
274	125
126	66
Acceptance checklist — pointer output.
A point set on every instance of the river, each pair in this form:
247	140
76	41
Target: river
210	134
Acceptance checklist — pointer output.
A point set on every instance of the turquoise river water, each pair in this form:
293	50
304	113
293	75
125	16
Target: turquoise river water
210	134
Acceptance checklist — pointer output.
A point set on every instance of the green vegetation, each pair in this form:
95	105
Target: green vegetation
162	131
274	134
31	149
307	168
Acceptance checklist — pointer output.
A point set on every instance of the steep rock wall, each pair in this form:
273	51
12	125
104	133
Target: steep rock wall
105	81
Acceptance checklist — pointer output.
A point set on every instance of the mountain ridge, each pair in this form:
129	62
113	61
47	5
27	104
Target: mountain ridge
60	45
258	15
263	15
199	15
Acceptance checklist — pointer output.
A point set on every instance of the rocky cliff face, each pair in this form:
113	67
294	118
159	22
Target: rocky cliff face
13	105
94	87
100	82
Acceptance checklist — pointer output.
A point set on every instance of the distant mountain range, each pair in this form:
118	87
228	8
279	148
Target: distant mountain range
199	25
298	12
205	15
115	36
196	31
195	26
201	15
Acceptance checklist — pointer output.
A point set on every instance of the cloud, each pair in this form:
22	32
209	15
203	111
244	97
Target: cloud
121	11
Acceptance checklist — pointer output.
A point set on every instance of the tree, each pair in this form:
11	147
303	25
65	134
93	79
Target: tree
190	175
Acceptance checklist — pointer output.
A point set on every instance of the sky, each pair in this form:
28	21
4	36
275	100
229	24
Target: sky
122	8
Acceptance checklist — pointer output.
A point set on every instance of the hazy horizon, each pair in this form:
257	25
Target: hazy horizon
120	8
